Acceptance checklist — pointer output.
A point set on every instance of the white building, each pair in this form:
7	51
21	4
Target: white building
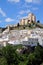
32	41
3	42
41	41
24	37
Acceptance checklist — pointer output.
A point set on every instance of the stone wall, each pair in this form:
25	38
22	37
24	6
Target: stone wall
31	17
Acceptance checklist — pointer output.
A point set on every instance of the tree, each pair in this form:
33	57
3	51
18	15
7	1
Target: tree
3	61
23	27
39	52
31	59
10	55
18	25
38	21
36	58
41	64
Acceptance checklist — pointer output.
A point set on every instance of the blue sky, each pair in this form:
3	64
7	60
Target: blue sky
11	11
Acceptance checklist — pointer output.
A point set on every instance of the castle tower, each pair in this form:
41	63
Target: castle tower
22	22
34	18
31	17
8	27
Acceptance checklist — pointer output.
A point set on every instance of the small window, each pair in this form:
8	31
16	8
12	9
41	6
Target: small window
32	42
28	20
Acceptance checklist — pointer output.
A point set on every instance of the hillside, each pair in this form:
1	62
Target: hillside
22	27
28	26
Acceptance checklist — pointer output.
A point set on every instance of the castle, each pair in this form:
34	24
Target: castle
31	17
25	21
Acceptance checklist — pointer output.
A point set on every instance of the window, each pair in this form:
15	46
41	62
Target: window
28	20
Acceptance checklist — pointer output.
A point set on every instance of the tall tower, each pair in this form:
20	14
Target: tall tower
8	27
34	18
31	17
22	22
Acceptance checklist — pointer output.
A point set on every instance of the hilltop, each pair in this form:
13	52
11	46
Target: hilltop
25	23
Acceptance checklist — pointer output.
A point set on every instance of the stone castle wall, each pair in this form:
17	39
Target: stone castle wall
31	17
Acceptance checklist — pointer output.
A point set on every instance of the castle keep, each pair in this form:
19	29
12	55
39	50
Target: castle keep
31	17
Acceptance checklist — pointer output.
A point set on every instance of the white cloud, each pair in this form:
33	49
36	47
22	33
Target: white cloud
14	1
25	5
33	1
36	1
9	20
21	17
24	17
35	8
27	11
24	12
2	12
28	1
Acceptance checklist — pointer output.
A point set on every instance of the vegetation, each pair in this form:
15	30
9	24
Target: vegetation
31	25
9	56
38	21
